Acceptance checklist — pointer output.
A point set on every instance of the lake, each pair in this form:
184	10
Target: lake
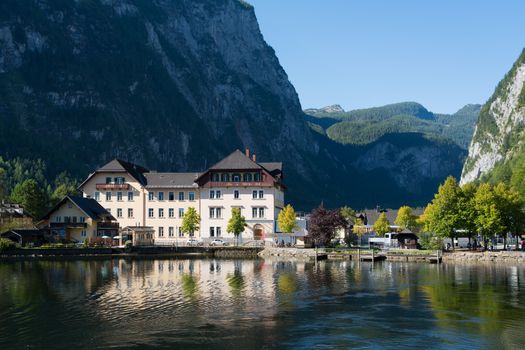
258	304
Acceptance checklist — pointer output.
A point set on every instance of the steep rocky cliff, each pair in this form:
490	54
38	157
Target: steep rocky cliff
176	85
497	145
170	84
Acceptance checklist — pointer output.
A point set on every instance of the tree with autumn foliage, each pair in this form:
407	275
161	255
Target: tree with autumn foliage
324	223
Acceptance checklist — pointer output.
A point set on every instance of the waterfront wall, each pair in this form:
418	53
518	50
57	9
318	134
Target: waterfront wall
289	253
503	257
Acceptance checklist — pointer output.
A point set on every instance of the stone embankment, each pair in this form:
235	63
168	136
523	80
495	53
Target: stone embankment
502	257
289	253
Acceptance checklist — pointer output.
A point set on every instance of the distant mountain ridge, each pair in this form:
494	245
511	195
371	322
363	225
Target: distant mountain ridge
364	126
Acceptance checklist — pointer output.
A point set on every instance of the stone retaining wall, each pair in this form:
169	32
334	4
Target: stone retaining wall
502	257
289	253
236	253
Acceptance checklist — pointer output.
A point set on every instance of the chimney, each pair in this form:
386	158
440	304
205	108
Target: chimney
247	152
254	158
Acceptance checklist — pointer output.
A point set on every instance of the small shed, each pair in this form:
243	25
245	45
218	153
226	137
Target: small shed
139	235
407	239
25	237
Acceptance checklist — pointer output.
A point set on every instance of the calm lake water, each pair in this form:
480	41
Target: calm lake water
254	304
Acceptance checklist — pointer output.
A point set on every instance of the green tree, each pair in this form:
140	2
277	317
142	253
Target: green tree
349	215
510	205
190	221
286	219
382	225
3	184
237	223
29	195
442	217
467	210
406	219
61	191
489	220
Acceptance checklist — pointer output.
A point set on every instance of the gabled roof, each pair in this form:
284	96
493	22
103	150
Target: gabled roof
24	232
237	160
89	206
121	166
171	179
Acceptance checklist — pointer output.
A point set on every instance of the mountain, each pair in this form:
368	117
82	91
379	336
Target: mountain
175	85
364	126
496	152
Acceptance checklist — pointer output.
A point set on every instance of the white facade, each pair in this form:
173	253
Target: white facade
137	197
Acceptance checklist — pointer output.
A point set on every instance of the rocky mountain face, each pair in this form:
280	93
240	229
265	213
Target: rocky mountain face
497	145
175	85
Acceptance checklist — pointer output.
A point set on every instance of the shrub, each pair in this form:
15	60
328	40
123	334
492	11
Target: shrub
6	244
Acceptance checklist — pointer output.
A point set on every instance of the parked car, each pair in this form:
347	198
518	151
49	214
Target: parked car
193	242
218	242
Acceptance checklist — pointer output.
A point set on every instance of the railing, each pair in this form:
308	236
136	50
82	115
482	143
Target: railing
239	184
112	186
108	225
68	225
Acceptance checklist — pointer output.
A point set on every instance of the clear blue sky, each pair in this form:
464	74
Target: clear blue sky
362	53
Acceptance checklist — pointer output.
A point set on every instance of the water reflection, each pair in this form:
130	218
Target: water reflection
208	303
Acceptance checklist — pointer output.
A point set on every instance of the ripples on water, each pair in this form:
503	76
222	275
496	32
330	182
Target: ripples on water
252	304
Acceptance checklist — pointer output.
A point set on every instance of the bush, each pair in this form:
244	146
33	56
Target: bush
430	242
6	244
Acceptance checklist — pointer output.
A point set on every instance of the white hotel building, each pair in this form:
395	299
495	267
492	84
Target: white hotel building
136	196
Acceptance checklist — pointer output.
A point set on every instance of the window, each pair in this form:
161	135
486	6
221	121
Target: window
171	196
161	231
67	219
217	194
216	177
83	233
254	194
181	196
74	219
171	212
212	231
254	213
108	180
261	213
247	177
150	212
236	194
150	196
108	196
161	213
119	196
130	212
215	213
171	231
120	180
218	231
130	196
236	177
119	212
212	194
181	234
191	196
58	219
97	196
161	196
261	194
181	212
257	177
108	210
225	177
82	219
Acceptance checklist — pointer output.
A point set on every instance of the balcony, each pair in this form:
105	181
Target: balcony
112	187
238	184
108	225
68	225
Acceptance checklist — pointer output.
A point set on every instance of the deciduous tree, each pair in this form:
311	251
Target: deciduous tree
286	219
382	225
237	223
31	197
406	219
190	221
324	223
